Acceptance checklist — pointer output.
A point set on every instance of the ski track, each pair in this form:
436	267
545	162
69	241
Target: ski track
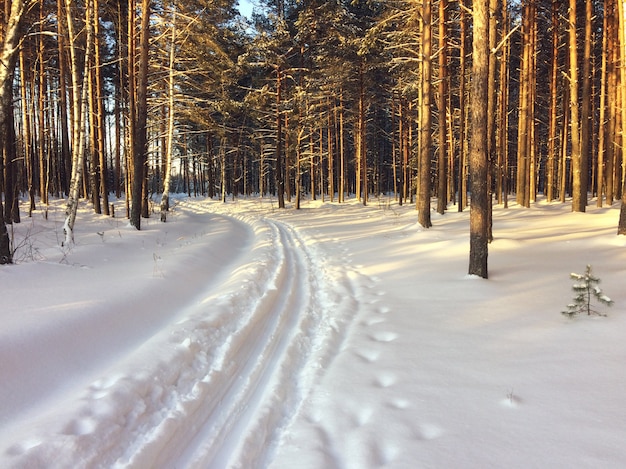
239	366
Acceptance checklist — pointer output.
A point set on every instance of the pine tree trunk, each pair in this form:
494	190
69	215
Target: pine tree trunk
586	120
423	198
579	189
278	170
600	174
140	140
100	124
478	143
502	177
552	156
462	175
621	228
442	101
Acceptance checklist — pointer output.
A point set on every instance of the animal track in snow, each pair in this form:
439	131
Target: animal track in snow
384	336
372	321
400	403
368	355
363	415
429	431
384	379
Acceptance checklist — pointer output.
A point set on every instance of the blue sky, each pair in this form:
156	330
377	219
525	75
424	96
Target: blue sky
245	7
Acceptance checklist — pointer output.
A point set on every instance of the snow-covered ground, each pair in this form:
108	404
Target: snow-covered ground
336	336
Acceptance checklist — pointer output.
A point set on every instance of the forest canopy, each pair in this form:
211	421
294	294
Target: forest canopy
137	99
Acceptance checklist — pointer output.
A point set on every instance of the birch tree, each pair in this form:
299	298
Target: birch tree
8	58
79	108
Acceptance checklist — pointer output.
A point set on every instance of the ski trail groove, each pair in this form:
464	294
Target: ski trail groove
233	369
288	331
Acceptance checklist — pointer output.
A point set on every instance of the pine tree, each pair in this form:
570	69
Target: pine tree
585	287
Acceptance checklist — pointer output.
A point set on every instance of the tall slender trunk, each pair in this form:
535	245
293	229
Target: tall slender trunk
553	114
423	198
478	143
100	124
169	139
66	156
80	110
442	104
621	228
342	169
279	170
27	136
586	122
525	117
502	180
579	188
140	139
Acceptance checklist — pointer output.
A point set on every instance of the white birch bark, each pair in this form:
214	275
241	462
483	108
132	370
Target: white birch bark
165	197
8	56
79	111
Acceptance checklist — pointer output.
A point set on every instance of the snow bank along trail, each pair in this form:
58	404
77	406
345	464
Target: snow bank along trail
216	387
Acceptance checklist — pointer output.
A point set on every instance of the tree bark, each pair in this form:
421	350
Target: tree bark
423	199
552	156
79	97
442	102
579	188
621	228
169	139
140	140
478	144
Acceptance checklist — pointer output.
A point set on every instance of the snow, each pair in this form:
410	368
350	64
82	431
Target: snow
336	336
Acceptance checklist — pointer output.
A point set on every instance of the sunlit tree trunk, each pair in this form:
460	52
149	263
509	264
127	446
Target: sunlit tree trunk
525	122
586	123
579	188
79	97
462	176
442	102
502	177
612	131
27	135
478	144
602	143
423	196
361	152
621	228
66	156
552	156
169	137
342	159
100	124
278	169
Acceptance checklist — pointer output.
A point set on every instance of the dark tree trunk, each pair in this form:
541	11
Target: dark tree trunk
479	205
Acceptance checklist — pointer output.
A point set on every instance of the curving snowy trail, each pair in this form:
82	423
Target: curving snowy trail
335	336
206	383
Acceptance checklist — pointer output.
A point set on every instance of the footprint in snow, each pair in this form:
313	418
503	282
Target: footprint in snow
363	416
368	355
372	321
385	379
400	403
429	431
384	336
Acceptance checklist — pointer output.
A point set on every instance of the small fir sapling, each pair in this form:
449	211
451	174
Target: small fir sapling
586	287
